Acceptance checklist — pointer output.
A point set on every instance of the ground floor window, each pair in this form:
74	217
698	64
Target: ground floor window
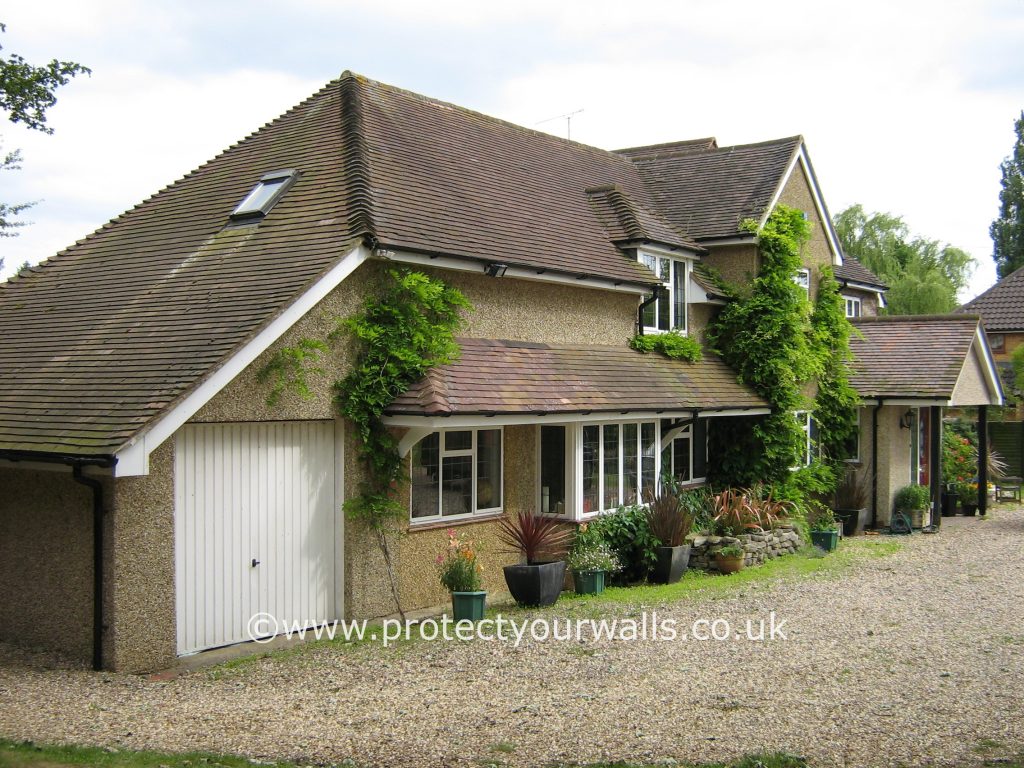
809	429
456	472
851	447
686	455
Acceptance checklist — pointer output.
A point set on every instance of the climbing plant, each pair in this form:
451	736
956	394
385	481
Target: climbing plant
400	333
290	369
672	344
836	403
765	335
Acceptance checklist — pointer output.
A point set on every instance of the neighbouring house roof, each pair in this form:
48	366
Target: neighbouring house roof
852	271
921	357
111	333
495	377
709	191
1001	307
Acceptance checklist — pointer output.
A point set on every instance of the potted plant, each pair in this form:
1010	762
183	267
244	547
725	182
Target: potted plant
730	558
825	530
459	573
968	495
590	560
850	502
536	581
912	501
670	522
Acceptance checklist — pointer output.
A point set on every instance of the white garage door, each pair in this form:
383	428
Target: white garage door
256	528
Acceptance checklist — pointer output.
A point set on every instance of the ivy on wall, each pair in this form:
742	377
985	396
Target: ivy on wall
671	344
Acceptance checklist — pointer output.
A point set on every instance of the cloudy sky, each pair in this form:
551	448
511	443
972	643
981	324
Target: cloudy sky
907	107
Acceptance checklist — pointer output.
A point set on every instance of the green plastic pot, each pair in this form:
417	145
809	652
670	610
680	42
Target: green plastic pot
588	582
468	606
826	540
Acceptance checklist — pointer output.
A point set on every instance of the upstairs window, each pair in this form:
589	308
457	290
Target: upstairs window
803	279
264	195
852	306
669	312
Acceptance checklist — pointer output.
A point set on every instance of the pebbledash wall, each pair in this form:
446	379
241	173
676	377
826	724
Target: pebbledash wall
48	599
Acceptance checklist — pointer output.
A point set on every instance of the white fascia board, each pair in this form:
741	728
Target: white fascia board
873	400
133	458
862	287
744	240
465	422
519	273
801	158
669	253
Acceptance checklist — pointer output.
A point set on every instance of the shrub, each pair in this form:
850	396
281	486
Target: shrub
458	569
669	519
735	514
731	550
959	457
698	502
672	344
533	535
590	553
629	537
824	520
911	497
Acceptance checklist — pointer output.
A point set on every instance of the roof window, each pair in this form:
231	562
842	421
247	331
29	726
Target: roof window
264	195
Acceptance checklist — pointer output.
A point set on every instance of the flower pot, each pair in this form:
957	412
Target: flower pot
538	584
468	606
728	564
826	540
949	503
969	510
854	521
588	582
671	564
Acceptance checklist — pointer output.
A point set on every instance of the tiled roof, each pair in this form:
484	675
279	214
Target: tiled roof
708	191
914	356
507	377
628	222
1001	307
116	329
855	272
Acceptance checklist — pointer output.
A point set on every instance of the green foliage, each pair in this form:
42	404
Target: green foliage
924	276
766	337
824	520
835	408
26	93
628	535
457	567
959	457
402	333
1017	362
590	552
290	369
911	497
671	344
1007	230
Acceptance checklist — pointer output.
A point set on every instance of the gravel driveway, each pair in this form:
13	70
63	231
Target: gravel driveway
916	658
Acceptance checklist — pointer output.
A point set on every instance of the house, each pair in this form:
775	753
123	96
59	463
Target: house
1001	308
153	500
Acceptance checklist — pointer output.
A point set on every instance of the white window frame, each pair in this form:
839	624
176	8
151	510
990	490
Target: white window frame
803	279
854	306
441	456
676	261
686	433
804	419
997	346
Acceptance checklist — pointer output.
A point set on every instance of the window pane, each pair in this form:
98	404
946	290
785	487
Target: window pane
456	485
630	450
648	475
611	466
665	306
552	470
260	196
458	441
681	458
425	476
679	295
591	468
488	469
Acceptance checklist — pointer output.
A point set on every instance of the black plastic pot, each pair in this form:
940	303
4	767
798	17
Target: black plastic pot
539	584
671	565
949	499
854	521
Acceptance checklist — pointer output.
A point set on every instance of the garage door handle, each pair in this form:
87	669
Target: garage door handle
255	562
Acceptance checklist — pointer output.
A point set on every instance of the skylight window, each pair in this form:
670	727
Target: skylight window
265	194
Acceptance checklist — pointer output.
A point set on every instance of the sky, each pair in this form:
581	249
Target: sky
907	107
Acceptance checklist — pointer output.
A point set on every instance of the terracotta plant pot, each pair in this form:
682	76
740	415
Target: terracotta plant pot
728	564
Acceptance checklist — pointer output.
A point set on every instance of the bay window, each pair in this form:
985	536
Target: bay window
456	473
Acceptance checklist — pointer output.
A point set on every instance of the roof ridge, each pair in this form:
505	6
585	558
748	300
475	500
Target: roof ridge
957	316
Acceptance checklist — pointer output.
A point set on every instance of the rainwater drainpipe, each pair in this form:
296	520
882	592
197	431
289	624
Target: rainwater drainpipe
658	293
97	562
874	461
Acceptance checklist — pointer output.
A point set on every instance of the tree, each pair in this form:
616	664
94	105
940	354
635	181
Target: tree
924	276
26	93
1007	231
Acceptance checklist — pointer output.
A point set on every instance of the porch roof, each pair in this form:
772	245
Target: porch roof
938	358
495	377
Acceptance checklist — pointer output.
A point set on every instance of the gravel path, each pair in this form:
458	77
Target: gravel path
912	659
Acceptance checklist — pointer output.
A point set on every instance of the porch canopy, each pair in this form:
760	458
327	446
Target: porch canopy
930	361
517	382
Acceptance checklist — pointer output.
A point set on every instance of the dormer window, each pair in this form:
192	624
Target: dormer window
265	195
669	312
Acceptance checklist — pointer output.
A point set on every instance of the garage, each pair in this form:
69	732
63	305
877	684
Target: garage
257	528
